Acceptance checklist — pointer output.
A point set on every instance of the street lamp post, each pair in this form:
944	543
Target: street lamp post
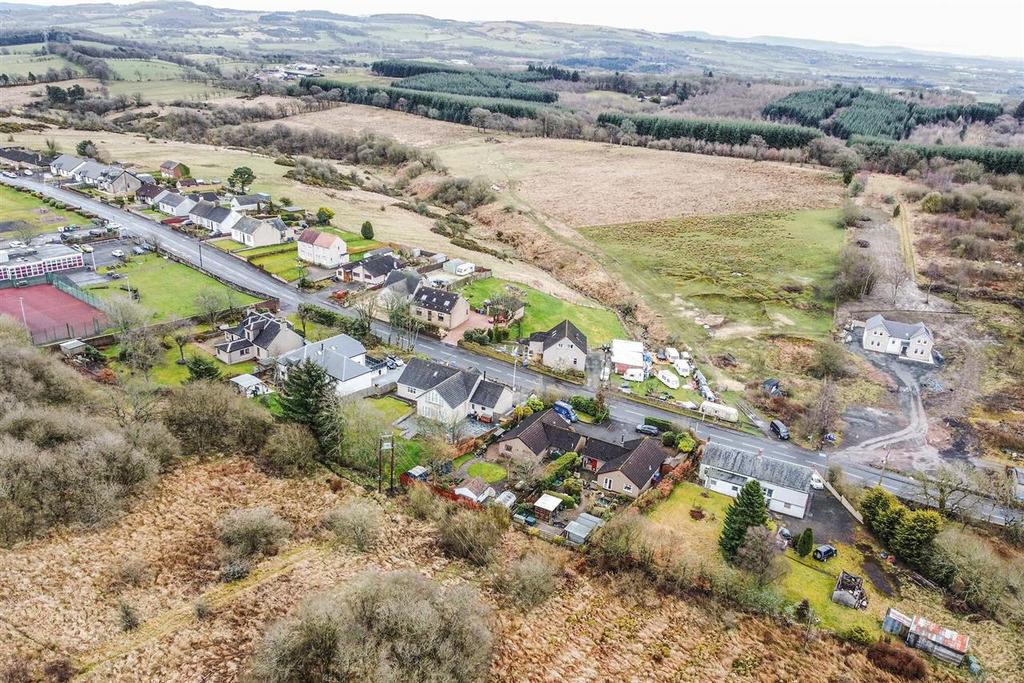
24	318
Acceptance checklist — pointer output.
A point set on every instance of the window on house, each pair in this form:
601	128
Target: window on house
768	493
608	483
508	447
735	488
627	487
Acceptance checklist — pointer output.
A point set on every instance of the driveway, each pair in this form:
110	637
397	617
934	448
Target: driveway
473	322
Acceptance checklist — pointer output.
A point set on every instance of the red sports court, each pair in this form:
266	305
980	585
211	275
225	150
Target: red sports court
50	314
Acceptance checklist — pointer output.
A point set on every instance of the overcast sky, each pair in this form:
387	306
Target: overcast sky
975	27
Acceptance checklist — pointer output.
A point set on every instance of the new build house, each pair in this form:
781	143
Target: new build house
447	395
787	486
260	335
910	342
342	357
563	347
322	248
439	308
260	232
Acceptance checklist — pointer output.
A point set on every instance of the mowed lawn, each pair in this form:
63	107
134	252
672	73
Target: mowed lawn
23	207
168	373
760	269
697	540
280	260
167	288
390	408
544	311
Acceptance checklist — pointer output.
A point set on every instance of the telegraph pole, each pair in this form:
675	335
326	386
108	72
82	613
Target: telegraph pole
385	442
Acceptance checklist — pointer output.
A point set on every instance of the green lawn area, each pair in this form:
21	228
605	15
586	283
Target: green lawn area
390	408
40	218
807	578
487	471
314	331
167	372
225	244
23	63
166	287
278	259
462	460
157	91
144	69
544	311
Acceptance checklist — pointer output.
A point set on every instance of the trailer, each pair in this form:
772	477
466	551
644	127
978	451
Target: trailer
668	378
722	412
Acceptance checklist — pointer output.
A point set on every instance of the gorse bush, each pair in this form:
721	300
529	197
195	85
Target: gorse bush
381	627
212	418
357	523
251	532
473	535
530	580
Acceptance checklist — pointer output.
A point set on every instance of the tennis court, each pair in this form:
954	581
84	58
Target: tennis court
50	314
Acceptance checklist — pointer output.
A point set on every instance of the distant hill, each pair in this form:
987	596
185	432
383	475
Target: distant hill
326	35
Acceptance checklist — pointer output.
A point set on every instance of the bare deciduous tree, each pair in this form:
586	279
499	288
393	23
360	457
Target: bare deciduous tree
897	275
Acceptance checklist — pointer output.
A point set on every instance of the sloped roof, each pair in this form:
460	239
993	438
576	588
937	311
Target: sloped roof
319	239
544	430
435	299
203	209
149	191
474	485
403	282
67	162
488	393
604	451
377	266
896	329
333	354
424	374
457	389
249	200
760	467
639	464
169	165
566	330
233	345
23	156
249	225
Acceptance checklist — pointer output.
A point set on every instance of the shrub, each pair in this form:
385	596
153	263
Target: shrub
251	532
477	336
856	634
805	542
897	660
356	523
473	535
211	418
686	443
663	425
669	439
202	609
530	580
423	504
235	569
133	572
290	451
381	627
829	362
620	544
128	616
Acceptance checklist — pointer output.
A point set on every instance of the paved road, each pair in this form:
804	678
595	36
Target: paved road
243	274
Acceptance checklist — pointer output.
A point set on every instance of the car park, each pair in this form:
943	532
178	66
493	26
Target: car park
779	429
824	553
649	430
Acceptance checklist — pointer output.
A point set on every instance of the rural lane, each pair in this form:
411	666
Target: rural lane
246	275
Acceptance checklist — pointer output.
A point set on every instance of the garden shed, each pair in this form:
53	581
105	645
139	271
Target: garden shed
546	506
578	531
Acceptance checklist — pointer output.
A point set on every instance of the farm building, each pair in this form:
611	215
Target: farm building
942	643
787	486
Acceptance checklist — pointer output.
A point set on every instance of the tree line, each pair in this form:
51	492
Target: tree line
996	160
863	112
477	84
778	136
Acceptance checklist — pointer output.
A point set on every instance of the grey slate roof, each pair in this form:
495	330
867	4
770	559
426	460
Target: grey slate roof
249	225
424	375
565	330
173	199
211	197
376	266
403	282
250	200
457	389
23	156
93	170
639	464
544	430
488	393
333	354
605	451
233	345
896	329
67	162
435	299
149	191
754	466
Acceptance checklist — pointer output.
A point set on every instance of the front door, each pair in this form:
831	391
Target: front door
608	483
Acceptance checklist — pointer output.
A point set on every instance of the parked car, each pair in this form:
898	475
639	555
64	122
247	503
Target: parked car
390	362
138	251
778	429
824	553
28	172
398	362
10	174
114	276
87	248
21	283
15	244
817	483
95	232
649	430
566	411
117	253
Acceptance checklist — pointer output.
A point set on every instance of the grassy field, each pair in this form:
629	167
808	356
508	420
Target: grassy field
145	70
167	288
40	218
168	373
283	263
806	578
168	90
544	311
23	63
226	244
